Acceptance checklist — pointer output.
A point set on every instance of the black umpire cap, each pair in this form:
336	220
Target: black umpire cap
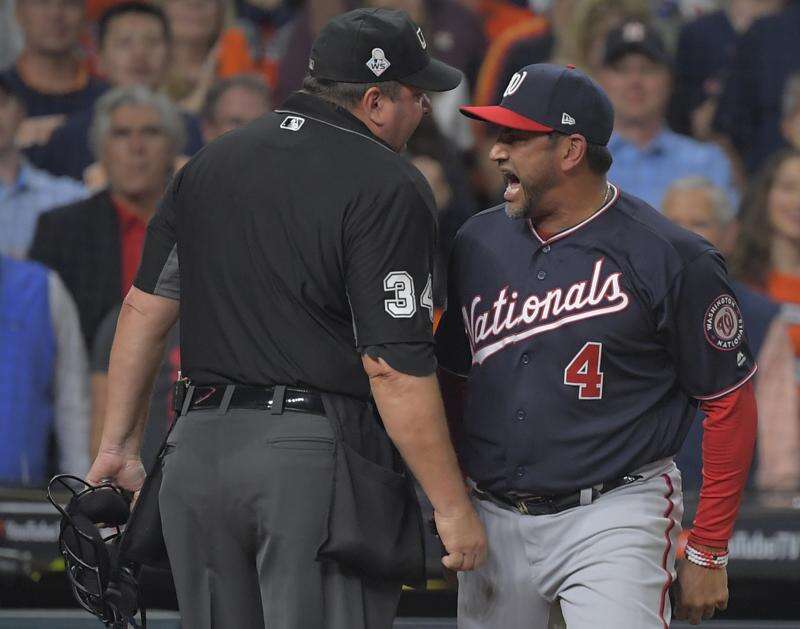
377	45
546	97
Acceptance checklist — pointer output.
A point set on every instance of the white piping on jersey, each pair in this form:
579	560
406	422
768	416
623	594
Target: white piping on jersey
567	232
716	396
335	126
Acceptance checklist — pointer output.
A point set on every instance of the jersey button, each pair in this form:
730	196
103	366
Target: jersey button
541	275
520	472
546	249
525	359
520	415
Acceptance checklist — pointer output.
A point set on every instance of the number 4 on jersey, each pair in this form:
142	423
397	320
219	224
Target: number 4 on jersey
584	372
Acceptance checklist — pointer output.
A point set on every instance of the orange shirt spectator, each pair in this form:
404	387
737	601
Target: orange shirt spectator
785	288
495	71
767	253
767	256
204	49
500	15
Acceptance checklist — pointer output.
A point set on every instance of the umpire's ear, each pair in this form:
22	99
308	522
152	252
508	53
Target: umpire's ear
373	105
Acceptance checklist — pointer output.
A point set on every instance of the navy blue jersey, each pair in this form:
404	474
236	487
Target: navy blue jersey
587	353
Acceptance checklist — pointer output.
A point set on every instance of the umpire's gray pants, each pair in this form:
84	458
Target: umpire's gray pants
244	501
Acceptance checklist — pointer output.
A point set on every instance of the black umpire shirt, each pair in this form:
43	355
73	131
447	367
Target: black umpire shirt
295	244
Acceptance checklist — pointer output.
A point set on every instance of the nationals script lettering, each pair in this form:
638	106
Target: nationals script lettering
511	319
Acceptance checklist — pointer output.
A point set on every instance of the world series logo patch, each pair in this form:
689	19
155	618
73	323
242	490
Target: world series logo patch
723	324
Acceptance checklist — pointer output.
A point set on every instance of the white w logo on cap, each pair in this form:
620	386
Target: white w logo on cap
514	83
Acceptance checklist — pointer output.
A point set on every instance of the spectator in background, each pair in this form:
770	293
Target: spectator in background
584	41
25	192
699	206
749	110
648	157
767	251
135	46
49	74
766	255
528	41
706	48
790	112
205	48
302	30
268	25
96	8
498	16
232	103
95	245
44	383
10	35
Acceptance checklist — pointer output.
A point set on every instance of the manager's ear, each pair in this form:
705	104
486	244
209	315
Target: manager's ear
571	151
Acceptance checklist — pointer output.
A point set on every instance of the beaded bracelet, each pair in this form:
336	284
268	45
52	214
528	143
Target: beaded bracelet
706	559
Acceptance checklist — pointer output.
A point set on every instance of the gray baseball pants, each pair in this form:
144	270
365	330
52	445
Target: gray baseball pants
244	502
605	565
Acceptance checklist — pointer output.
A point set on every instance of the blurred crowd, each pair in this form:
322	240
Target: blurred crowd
102	100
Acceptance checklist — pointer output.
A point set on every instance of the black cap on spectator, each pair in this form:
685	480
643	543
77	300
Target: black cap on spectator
546	97
7	88
635	36
376	45
139	7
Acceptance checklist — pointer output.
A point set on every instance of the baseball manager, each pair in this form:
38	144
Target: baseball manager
590	329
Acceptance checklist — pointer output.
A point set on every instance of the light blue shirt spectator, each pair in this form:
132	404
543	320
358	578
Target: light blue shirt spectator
10	34
649	171
21	203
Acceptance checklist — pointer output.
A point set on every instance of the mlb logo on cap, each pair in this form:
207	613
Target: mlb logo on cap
546	97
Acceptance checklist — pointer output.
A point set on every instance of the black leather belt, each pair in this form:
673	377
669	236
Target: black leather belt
527	504
211	396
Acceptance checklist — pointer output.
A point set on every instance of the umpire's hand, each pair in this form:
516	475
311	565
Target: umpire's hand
123	470
700	592
464	539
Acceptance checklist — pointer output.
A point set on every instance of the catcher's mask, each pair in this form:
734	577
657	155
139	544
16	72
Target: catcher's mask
101	583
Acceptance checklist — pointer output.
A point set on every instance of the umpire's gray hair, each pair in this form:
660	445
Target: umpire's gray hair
171	120
723	209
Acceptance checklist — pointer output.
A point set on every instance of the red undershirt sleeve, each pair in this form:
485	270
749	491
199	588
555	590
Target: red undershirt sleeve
729	433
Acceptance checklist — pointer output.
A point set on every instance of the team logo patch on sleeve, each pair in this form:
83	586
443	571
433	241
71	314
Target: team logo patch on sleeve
723	324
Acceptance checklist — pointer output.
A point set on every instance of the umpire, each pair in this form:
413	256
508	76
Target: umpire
305	247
